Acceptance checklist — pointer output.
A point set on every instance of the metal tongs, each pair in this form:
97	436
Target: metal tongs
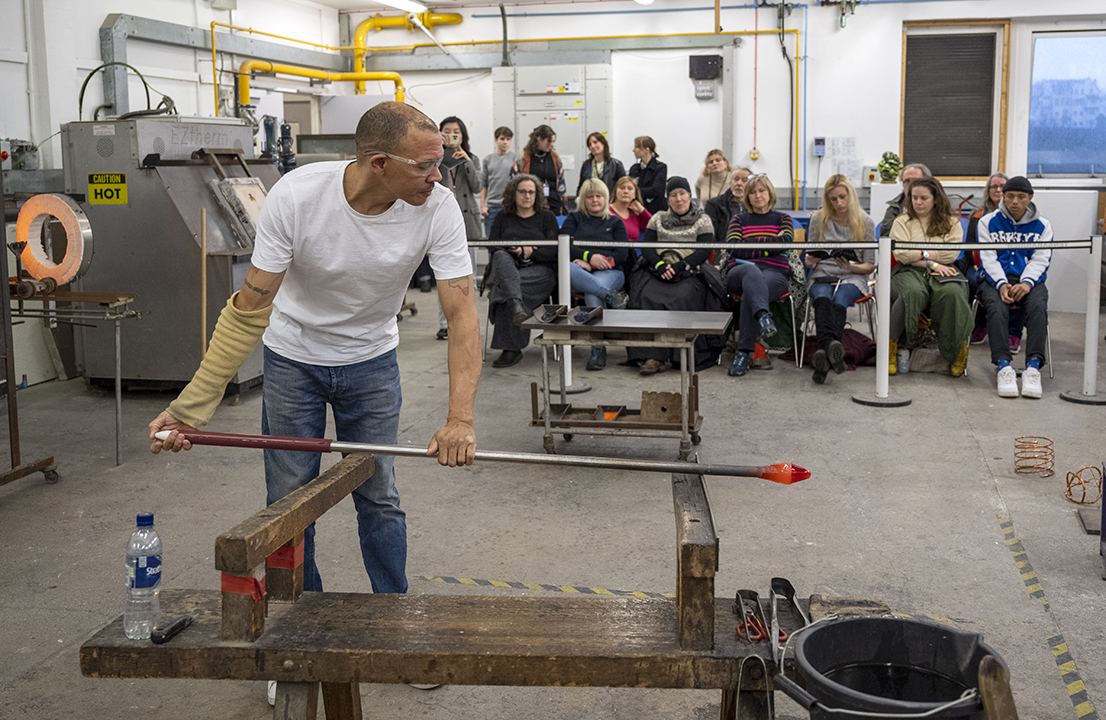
782	588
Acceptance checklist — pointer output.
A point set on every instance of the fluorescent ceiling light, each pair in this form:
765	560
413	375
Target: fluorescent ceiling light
407	5
641	2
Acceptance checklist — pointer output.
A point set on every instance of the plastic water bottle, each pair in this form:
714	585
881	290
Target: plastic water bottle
142	610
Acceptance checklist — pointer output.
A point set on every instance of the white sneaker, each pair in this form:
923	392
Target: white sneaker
1008	382
1031	383
271	693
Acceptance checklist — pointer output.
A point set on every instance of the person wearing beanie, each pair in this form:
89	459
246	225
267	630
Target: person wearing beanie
1016	278
758	276
669	278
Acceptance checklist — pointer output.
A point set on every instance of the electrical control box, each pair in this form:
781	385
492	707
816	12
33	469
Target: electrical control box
819	147
869	175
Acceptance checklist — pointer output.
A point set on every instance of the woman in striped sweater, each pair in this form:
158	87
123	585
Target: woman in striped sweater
758	276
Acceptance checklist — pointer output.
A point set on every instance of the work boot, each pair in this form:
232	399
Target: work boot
957	368
508	358
519	313
598	359
893	353
652	367
821	364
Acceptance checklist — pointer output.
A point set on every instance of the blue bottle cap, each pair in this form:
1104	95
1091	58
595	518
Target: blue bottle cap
145	519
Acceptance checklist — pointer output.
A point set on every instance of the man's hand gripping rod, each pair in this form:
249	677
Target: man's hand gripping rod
782	473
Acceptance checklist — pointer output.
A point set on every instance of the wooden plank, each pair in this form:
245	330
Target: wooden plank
342	701
284	583
250	542
449	639
296	701
243	613
696	562
1004	98
994	690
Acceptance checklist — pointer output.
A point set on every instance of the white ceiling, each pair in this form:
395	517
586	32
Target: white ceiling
446	5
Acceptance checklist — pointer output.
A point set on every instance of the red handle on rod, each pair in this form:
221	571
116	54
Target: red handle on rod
258	442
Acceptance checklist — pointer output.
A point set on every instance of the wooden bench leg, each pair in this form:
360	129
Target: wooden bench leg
296	701
342	701
284	571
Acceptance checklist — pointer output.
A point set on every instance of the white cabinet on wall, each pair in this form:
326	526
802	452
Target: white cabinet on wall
574	100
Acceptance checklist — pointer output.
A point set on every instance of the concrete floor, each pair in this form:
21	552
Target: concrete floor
904	506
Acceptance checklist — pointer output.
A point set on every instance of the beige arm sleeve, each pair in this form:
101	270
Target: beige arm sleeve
236	335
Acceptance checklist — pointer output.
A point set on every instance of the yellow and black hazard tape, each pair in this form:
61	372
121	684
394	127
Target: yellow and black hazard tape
1076	690
1029	575
538	587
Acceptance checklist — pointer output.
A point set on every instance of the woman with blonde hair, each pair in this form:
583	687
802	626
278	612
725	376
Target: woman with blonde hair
838	278
596	271
715	178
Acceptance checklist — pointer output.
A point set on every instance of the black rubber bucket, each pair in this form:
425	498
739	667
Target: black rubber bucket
888	665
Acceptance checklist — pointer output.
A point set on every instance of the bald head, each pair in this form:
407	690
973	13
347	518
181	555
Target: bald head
385	126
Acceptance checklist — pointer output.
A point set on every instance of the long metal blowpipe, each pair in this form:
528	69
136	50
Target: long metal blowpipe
782	473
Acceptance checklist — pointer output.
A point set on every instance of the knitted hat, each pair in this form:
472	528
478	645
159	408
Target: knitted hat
1018	184
676	182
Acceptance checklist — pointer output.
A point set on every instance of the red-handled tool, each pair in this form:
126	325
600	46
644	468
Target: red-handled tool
782	473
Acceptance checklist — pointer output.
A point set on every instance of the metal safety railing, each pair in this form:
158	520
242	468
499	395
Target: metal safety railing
883	247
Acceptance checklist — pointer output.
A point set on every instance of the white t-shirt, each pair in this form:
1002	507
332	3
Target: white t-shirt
346	273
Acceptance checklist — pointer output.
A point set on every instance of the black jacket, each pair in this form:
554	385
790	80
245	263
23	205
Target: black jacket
721	210
612	171
652	180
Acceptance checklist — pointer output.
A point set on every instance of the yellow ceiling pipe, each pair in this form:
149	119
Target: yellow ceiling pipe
250	66
379	22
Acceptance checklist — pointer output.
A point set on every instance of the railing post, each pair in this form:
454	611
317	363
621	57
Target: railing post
882	398
564	297
1090	338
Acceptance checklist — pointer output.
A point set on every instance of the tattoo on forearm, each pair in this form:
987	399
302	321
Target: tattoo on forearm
256	289
461	283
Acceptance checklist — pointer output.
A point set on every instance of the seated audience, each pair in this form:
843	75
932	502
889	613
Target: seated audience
721	209
898	205
928	279
651	174
838	278
758	276
520	277
541	160
715	178
967	265
596	272
600	164
1016	277
669	278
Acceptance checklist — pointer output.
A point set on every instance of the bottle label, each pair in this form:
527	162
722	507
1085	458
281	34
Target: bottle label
145	572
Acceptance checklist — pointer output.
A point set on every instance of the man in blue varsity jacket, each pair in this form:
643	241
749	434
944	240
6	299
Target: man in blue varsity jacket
1016	277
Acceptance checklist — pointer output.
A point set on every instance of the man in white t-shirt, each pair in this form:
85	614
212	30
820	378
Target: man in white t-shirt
339	241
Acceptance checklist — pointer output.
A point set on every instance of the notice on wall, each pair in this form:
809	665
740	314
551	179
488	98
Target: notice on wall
107	189
568	162
841	154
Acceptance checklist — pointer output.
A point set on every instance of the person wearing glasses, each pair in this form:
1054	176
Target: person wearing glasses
519	277
929	278
336	244
758	276
541	160
721	209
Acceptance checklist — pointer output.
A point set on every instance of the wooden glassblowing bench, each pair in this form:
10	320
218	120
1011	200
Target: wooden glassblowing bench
262	626
661	414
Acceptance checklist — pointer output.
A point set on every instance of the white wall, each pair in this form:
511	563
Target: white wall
852	74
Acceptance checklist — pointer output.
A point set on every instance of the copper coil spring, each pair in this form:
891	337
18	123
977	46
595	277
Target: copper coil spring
1076	482
1033	454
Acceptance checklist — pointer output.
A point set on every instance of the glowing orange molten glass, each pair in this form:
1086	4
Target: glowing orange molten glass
784	473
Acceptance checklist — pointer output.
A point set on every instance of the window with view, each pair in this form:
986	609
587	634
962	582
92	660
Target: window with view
1067	107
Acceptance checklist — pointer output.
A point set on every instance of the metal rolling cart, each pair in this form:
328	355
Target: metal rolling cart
662	414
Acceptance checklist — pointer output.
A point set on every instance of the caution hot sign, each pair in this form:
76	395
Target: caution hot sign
107	188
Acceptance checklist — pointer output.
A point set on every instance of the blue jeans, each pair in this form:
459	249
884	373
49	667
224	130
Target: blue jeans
365	399
846	295
493	210
595	284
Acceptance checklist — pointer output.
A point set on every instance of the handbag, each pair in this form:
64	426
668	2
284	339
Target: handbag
715	281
